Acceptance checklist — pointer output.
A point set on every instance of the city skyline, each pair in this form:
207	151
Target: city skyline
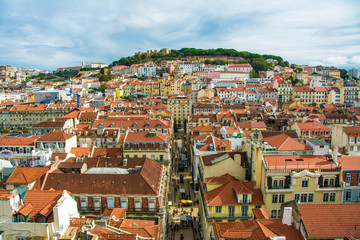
49	35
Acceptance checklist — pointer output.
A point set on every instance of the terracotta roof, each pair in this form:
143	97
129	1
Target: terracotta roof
220	180
321	222
18	140
352	131
39	202
108	234
56	135
114	214
49	124
81	151
250	124
144	137
144	228
295	162
107	152
146	181
207	159
283	142
88	115
225	194
257	229
349	163
260	213
312	126
26	175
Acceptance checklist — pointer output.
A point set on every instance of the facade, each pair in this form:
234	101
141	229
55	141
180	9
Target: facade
312	129
284	90
57	141
347	137
226	199
41	214
303	178
153	145
181	107
351	178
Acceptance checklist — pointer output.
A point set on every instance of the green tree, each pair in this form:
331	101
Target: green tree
26	130
103	87
6	130
15	130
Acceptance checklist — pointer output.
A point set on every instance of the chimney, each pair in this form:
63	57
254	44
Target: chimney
287	216
125	162
237	158
335	154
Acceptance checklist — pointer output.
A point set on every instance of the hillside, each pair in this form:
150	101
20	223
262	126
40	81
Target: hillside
218	56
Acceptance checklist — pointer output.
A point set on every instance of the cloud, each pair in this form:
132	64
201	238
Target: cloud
52	34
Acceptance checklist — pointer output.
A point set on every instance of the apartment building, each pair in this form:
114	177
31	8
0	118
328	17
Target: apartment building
181	108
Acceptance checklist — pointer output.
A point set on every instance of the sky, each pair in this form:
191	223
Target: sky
46	35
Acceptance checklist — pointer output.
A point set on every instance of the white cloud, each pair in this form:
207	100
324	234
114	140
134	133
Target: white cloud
326	31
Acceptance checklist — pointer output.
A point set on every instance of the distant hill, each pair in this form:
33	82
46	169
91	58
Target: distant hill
218	56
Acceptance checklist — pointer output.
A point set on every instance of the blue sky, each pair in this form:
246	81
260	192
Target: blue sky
52	34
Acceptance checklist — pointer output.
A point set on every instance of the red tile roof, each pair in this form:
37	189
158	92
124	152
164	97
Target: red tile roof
330	221
349	163
39	202
283	142
225	194
352	131
26	175
298	162
139	137
56	135
18	140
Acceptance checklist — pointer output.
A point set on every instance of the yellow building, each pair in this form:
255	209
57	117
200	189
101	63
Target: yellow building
303	178
181	107
284	90
307	95
226	200
153	145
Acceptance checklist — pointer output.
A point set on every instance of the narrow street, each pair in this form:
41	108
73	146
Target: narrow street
183	202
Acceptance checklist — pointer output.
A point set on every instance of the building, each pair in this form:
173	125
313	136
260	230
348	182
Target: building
227	199
57	141
303	178
284	90
313	129
347	137
318	221
40	215
181	107
153	145
137	184
351	178
354	73
51	96
18	148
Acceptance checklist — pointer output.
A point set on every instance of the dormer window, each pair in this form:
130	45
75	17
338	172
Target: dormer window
112	125
245	198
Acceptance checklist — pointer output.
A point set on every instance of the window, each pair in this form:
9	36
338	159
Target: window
83	202
218	209
161	157
326	197
274	213
245	198
332	197
244	211
310	197
332	182
144	156
281	183
352	140
110	202
281	198
348	195
231	211
303	197
348	179
97	203
152	145
137	203
305	182
152	157
297	197
275	185
274	198
326	182
151	204
144	145
124	203
135	155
